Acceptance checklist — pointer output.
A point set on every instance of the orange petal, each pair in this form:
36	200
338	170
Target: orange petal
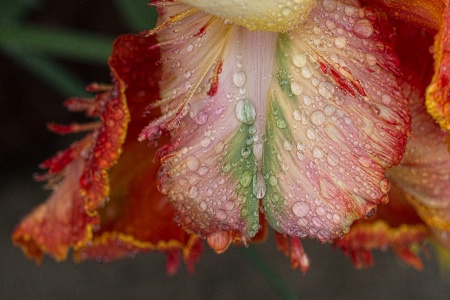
365	237
424	173
420	13
137	217
62	221
396	225
438	92
293	248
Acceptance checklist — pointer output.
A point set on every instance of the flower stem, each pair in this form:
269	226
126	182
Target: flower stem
269	273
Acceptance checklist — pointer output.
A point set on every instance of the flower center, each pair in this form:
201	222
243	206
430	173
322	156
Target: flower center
267	15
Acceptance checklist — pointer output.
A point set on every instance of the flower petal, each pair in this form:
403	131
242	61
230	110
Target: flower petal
395	225
424	173
61	222
364	237
293	248
336	120
438	92
420	13
306	121
267	15
208	175
66	220
137	217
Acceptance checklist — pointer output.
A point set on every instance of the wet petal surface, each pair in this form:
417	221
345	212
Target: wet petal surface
306	121
336	121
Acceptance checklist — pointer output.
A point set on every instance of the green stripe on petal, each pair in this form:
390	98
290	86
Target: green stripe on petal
330	133
240	163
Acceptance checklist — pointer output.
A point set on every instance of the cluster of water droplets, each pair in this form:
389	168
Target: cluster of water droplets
327	171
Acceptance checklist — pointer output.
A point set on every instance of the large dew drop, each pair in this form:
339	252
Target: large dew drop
245	112
300	209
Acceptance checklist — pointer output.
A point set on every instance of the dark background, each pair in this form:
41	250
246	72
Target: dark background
27	103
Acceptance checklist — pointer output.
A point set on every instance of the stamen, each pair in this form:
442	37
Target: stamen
172	20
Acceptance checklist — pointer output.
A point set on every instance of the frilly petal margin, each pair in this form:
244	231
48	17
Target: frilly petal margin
396	226
79	180
138	218
424	173
134	216
62	221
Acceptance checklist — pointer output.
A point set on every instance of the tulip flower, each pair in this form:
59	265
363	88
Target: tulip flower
233	117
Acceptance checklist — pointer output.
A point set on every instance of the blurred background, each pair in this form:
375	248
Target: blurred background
50	50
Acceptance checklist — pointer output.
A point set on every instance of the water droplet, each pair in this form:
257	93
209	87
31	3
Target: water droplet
385	185
317	117
245	111
332	160
386	99
203	205
310	134
226	167
205	142
300	155
371	60
189	48
273	181
336	219
192	163
340	42
320	211
193	192
286	11
221	214
201	118
297	115
287	145
371	212
363	28
245	179
245	152
281	123
307	100
257	151
365	161
329	5
299	60
300	209
296	88
306	72
326	89
203	171
317	152
329	110
187	74
259	186
239	79
349	10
